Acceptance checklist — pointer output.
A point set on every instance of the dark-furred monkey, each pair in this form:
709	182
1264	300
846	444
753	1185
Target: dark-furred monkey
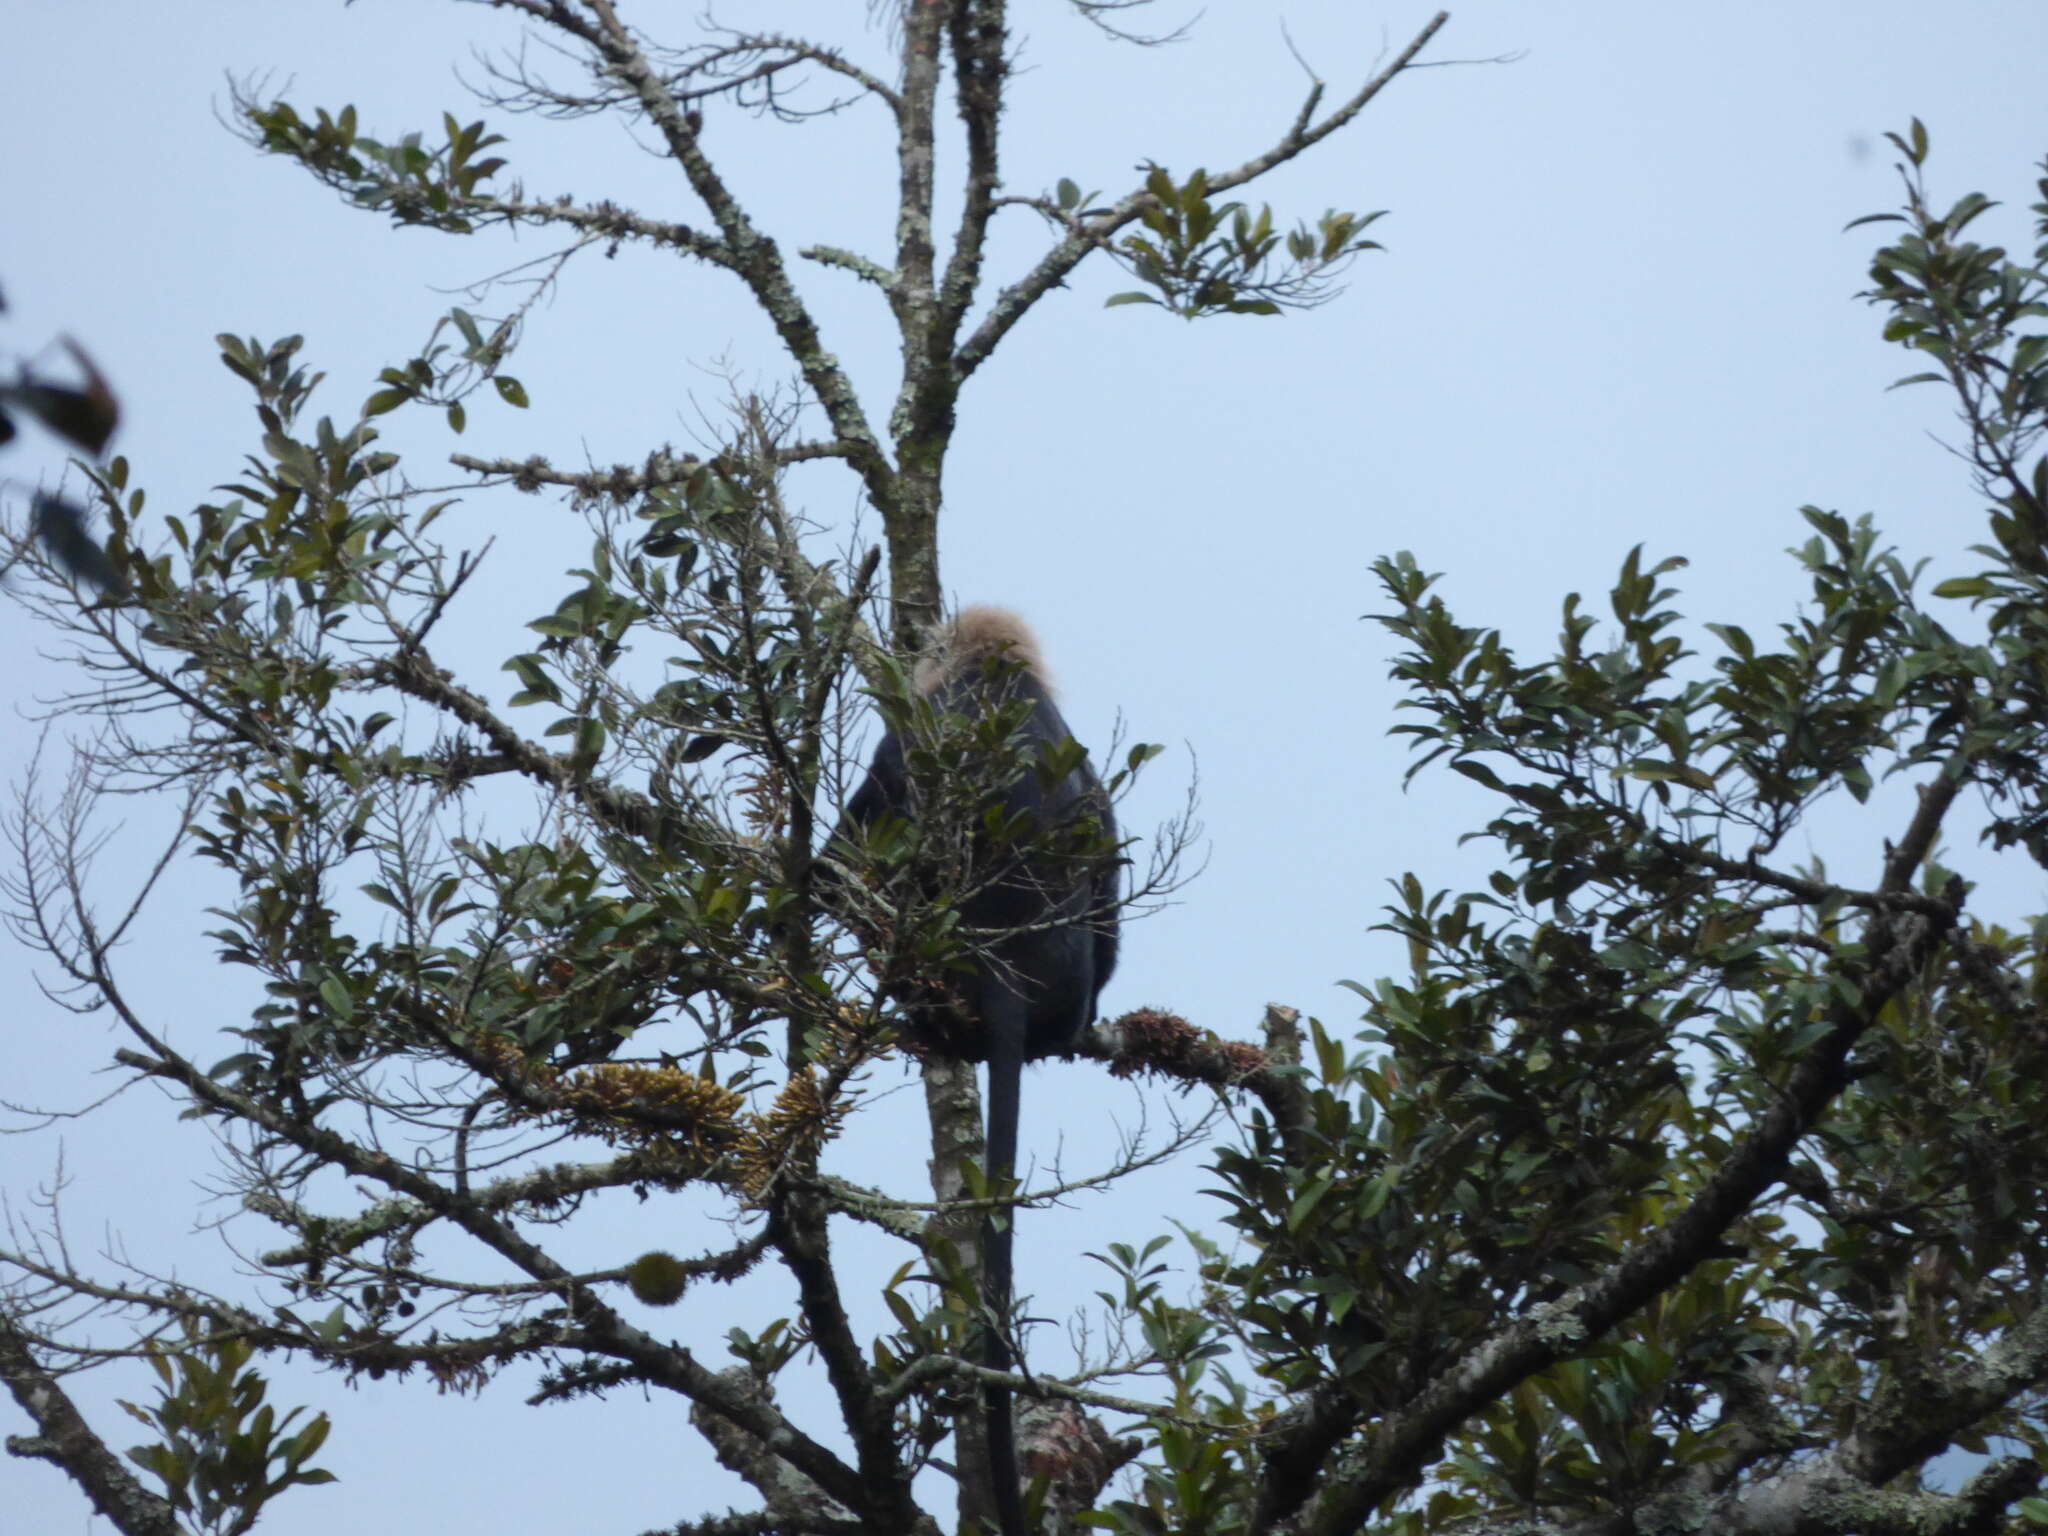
1030	864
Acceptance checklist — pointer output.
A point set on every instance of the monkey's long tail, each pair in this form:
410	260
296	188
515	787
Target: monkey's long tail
1005	1078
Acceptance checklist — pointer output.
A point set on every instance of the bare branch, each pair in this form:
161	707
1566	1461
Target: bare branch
1091	231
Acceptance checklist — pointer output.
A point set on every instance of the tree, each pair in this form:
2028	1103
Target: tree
1677	1184
426	974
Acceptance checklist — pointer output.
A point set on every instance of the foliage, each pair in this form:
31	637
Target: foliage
1672	1166
576	931
1675	1183
1209	259
219	1440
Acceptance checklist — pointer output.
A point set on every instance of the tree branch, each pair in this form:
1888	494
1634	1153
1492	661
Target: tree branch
1015	301
595	1327
1396	1450
67	1442
755	257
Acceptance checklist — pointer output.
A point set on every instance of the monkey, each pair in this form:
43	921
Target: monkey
1039	897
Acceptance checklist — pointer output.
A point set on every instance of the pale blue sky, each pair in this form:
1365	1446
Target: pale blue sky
1616	306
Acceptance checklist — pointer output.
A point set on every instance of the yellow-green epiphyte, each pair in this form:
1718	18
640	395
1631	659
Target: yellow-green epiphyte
657	1278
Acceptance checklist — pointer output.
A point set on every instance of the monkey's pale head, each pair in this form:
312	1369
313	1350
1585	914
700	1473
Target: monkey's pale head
977	636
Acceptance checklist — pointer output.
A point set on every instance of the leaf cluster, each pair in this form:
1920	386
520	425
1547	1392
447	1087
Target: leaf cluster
222	1453
1676	1163
413	183
1204	257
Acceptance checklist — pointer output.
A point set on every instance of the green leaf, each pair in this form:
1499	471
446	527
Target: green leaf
1657	770
510	390
1736	638
539	687
310	1439
701	747
1967	209
1963	586
1479	773
1306	1202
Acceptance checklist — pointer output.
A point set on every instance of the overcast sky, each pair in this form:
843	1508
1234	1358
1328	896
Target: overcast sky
1617	306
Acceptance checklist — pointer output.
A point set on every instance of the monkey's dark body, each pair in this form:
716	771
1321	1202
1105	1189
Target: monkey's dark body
1056	930
1052	942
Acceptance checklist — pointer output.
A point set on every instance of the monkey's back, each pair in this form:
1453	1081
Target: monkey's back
1043	895
1050	902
